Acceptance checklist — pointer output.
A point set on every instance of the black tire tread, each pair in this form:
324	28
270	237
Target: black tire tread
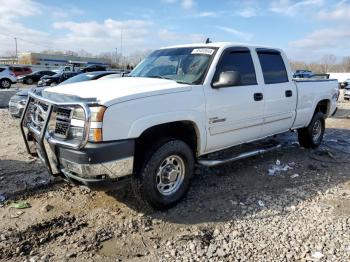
305	134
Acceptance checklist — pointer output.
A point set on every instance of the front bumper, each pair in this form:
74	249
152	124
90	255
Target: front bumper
83	162
111	160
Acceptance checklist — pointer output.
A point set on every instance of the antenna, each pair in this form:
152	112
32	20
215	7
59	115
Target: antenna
208	41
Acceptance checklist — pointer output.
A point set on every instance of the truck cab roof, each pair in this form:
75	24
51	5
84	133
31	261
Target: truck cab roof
221	45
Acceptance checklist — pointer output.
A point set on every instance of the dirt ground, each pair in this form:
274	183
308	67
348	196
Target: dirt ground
239	211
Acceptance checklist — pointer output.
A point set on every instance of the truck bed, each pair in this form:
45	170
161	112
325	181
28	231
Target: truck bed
310	92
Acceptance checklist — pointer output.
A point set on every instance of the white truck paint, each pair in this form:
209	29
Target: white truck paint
243	93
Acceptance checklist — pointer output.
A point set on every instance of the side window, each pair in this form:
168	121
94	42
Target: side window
273	67
240	61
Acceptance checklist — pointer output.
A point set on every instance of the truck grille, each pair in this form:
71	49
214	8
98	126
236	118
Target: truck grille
58	124
63	117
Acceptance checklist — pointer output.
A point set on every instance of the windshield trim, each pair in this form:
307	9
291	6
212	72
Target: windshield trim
201	80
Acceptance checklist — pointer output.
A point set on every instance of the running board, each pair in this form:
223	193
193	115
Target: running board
216	162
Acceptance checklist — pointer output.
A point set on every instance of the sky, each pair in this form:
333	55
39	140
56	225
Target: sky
305	29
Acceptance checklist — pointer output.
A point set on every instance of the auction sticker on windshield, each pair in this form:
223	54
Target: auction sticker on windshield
202	51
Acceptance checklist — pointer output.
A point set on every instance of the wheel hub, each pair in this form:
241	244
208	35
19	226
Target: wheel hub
170	175
6	83
316	131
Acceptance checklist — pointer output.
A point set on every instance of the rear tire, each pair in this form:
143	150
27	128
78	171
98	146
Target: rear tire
312	135
165	175
5	83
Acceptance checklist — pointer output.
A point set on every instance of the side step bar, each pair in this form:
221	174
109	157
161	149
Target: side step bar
216	162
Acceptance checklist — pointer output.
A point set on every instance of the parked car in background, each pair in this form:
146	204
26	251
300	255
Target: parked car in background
18	101
34	77
89	76
303	74
20	70
56	78
345	83
7	77
92	68
347	92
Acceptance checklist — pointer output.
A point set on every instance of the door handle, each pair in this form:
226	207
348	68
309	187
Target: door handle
289	93
258	96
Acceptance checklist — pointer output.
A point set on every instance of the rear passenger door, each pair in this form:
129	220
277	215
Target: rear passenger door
234	113
280	93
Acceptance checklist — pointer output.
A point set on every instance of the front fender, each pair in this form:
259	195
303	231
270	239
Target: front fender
142	124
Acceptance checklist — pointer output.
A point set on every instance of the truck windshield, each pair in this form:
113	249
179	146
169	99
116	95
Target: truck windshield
183	65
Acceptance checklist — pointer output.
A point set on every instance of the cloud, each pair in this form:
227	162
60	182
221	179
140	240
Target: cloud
241	35
291	8
11	11
339	13
185	4
324	39
206	14
94	36
60	13
175	37
247	12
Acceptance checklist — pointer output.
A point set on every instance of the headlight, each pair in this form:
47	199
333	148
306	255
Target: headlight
76	132
77	123
97	113
22	102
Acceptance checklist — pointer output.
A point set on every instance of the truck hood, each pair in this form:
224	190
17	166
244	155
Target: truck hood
110	91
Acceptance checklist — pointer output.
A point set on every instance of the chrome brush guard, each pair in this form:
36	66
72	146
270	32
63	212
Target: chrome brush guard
34	128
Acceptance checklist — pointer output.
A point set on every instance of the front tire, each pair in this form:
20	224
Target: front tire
312	135
165	175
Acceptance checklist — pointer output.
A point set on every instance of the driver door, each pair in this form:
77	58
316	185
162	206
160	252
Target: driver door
234	113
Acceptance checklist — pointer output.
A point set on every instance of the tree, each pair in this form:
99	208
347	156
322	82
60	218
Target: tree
345	65
327	62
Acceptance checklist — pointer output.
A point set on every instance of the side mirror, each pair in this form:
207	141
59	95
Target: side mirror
228	78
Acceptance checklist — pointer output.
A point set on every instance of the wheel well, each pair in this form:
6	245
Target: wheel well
323	106
183	130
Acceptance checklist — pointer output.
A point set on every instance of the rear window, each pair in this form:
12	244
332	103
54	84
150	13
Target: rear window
273	67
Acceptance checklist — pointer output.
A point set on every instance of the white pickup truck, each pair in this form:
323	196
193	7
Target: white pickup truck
178	106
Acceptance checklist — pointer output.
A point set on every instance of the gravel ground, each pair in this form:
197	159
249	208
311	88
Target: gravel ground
237	212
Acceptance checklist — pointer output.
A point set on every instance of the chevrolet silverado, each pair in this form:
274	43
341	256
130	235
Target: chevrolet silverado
176	108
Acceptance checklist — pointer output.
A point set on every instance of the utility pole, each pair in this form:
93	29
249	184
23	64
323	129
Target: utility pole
121	47
16	49
116	56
